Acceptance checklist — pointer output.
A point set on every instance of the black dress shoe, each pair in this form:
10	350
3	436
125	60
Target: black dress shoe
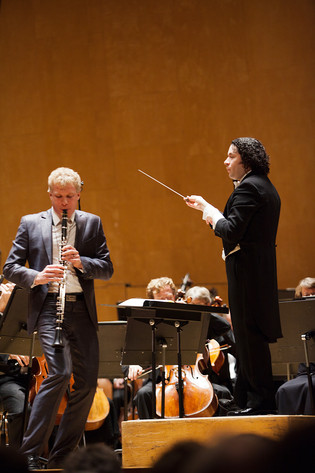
227	405
251	411
33	462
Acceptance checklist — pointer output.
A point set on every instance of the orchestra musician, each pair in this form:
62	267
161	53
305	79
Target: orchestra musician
164	289
294	396
83	258
305	288
13	383
219	330
248	229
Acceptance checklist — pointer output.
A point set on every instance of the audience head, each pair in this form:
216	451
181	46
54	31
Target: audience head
305	288
179	456
11	461
199	295
161	288
240	453
95	458
296	449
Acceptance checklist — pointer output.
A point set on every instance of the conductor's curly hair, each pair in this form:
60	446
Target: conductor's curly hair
253	154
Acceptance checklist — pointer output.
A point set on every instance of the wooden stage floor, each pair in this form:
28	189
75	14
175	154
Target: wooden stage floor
143	441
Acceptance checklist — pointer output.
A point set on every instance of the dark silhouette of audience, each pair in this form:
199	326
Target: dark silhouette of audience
231	454
11	461
295	452
238	453
179	456
242	453
95	458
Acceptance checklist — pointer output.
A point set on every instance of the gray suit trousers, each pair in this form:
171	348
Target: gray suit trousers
80	357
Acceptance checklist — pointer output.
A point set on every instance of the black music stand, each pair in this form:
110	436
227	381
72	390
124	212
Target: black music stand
14	337
111	337
160	322
297	317
298	325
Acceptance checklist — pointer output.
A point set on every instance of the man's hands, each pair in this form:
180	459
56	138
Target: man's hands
21	359
5	292
210	214
54	272
71	255
134	372
196	202
51	273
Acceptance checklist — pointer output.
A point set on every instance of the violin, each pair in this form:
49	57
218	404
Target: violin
214	355
186	282
100	406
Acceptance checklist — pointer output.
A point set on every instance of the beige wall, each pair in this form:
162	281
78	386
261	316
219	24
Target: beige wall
110	86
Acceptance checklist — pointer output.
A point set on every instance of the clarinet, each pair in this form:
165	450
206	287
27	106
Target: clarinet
61	298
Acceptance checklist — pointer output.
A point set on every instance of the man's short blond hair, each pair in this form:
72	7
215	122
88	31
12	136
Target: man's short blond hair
63	177
157	284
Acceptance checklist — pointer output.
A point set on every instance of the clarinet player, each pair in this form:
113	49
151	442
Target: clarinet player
84	257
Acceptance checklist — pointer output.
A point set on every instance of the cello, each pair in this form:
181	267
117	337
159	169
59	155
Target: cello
100	406
199	399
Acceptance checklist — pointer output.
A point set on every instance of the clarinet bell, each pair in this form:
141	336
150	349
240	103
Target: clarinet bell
58	342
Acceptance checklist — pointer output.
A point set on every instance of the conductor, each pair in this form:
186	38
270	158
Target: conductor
248	228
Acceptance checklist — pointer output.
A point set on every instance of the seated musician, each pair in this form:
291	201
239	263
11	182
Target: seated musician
219	330
13	383
164	289
305	288
293	397
160	289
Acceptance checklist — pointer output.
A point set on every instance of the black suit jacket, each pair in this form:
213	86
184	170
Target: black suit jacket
33	245
251	220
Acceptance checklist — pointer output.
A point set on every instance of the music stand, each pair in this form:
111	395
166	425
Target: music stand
13	326
14	337
157	320
112	334
298	324
297	318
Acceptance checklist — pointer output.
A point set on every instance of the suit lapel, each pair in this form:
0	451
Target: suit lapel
46	222
80	220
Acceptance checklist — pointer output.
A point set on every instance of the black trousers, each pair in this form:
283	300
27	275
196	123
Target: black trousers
254	383
80	357
12	399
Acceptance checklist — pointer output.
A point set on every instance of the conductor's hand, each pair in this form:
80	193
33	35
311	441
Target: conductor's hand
196	202
51	273
134	372
209	213
71	255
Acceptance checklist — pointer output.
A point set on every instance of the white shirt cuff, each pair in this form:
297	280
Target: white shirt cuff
213	213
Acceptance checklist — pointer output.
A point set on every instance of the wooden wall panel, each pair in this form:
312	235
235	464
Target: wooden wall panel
107	87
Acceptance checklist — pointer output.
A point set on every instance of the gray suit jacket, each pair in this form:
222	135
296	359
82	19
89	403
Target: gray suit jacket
33	244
